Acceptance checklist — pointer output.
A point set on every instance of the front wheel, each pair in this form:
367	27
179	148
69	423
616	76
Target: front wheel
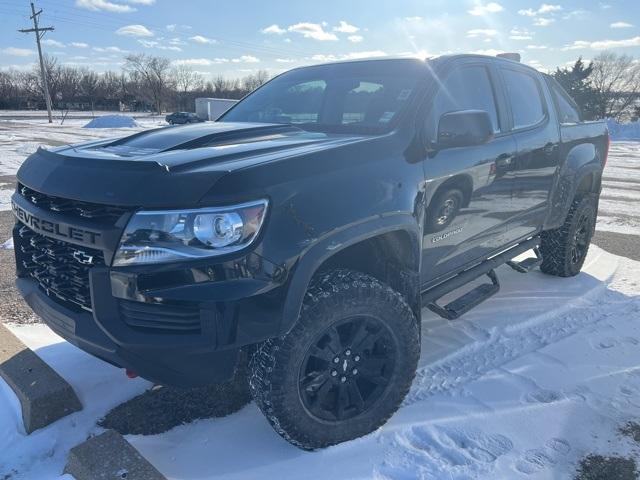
344	368
564	249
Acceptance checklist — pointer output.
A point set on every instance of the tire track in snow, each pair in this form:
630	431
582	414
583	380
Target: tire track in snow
512	342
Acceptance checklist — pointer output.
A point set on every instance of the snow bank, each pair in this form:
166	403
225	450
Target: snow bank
112	121
623	131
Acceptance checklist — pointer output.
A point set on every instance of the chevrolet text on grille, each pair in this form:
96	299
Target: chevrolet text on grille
64	231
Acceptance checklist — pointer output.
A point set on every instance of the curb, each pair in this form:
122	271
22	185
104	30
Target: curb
109	456
43	394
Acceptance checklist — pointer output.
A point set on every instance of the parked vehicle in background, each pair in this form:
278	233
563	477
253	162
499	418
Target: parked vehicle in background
307	229
180	118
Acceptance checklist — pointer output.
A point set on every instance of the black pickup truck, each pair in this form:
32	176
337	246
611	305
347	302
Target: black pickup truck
308	227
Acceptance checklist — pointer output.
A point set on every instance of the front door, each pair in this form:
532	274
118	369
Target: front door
468	190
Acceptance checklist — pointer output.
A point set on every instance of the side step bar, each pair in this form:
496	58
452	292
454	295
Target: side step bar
528	264
479	294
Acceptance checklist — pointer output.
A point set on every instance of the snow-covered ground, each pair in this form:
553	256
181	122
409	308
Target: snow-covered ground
619	210
503	393
21	137
521	387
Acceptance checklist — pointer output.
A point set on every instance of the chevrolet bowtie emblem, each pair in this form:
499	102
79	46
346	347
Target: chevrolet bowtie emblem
82	257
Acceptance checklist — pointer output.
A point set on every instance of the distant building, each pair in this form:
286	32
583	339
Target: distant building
212	108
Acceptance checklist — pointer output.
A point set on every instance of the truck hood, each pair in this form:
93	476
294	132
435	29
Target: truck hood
166	167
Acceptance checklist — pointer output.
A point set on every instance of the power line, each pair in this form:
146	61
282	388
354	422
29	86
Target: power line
40	31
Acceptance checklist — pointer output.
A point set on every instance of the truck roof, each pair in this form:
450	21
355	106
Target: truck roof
438	58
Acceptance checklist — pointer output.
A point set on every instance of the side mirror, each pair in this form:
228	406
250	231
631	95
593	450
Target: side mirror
464	128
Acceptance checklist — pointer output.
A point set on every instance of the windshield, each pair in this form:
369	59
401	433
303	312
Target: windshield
359	97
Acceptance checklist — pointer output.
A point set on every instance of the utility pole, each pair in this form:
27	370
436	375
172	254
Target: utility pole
40	31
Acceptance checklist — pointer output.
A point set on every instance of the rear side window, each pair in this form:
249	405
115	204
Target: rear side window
568	112
523	93
468	88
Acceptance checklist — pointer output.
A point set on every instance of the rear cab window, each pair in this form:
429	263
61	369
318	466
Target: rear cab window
568	111
524	95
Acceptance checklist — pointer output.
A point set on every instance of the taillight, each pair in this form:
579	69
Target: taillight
606	151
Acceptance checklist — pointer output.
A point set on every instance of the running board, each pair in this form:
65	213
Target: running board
469	300
528	264
479	294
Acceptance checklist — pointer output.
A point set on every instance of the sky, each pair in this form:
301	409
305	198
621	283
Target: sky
235	38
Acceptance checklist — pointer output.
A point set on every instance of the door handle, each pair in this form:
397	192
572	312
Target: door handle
549	148
504	160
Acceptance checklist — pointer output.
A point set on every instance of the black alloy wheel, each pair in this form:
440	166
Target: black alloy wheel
347	369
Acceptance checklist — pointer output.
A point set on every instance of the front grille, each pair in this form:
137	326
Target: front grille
61	269
160	318
72	207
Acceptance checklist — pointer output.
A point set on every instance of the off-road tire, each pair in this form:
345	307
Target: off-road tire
436	206
556	245
274	369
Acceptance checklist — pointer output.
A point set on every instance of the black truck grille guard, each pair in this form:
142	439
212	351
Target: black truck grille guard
60	269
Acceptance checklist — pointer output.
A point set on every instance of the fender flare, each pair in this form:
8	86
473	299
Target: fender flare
324	248
582	160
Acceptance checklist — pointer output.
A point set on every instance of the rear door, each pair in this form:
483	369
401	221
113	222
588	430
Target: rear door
477	171
537	137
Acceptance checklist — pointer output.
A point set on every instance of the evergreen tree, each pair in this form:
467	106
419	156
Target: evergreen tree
575	81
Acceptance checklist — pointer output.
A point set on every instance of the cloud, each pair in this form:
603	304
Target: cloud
274	29
603	44
345	27
286	60
53	43
312	30
348	56
135	31
543	9
246	59
104	5
202	62
79	44
355	38
543	22
620	25
413	19
203	40
492	52
141	2
110	49
520	34
18	52
536	47
481	32
484	9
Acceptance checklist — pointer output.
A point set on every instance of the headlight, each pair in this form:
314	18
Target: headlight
170	235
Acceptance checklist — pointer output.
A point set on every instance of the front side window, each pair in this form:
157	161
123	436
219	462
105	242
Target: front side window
358	97
468	88
523	94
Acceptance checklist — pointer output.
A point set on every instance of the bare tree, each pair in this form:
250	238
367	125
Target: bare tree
255	80
89	86
153	75
186	80
616	80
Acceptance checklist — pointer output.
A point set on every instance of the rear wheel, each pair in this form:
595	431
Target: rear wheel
345	367
443	209
565	249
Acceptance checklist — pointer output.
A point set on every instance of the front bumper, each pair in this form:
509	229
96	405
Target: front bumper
180	324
